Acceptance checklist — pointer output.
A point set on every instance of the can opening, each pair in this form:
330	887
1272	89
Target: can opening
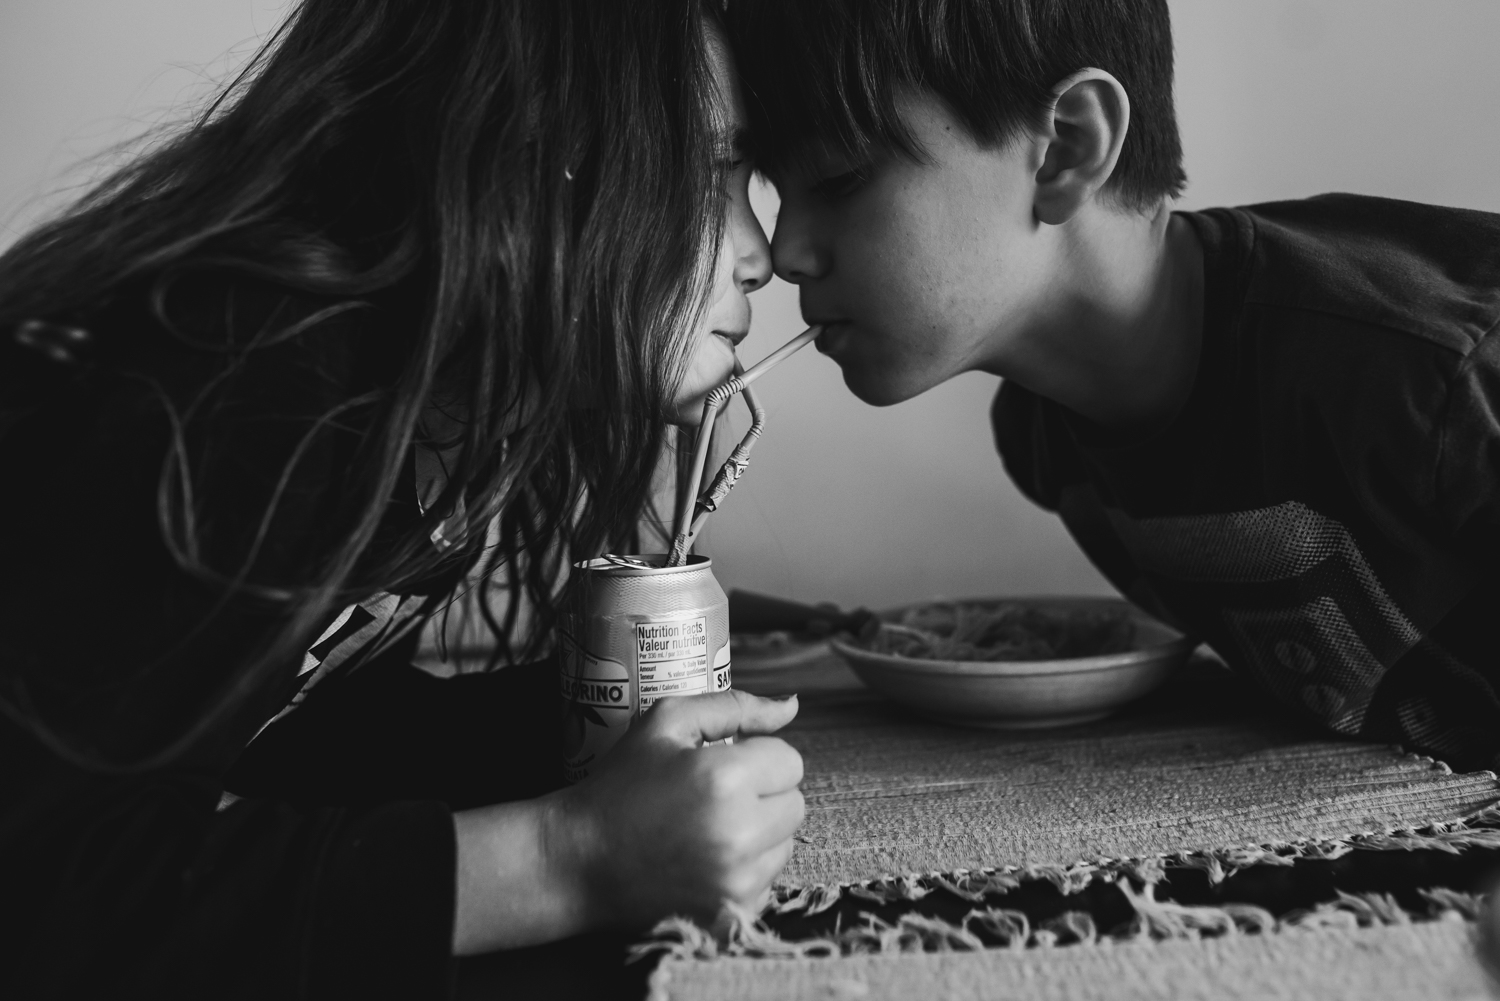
640	564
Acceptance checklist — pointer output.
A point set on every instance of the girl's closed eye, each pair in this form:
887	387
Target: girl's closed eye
729	170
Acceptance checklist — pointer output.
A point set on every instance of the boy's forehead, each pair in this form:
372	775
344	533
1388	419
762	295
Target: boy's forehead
814	91
818	152
811	142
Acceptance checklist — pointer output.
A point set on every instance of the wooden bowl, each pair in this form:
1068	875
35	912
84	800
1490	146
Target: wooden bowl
1027	694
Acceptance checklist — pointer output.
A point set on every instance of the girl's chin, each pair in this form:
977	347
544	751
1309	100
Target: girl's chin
689	413
689	410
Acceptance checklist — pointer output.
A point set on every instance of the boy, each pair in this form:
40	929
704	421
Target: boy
1277	428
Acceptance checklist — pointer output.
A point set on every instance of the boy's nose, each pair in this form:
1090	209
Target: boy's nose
797	258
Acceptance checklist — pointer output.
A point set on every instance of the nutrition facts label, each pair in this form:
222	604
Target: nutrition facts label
671	658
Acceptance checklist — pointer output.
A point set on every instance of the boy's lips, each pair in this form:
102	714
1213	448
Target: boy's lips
835	333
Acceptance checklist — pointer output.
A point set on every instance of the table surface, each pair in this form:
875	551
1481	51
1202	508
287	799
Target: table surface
837	708
1203	765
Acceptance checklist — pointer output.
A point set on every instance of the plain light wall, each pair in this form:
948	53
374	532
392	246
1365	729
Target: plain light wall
846	502
80	77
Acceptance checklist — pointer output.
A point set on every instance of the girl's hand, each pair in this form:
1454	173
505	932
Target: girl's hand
668	826
663	826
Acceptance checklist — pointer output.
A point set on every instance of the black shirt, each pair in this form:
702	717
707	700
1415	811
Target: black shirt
1325	509
121	877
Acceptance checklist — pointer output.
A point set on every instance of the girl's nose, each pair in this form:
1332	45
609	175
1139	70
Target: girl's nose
752	265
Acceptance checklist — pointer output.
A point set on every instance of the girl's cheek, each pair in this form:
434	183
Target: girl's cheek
724	266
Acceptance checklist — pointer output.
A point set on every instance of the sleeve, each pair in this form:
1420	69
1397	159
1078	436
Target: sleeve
138	888
122	878
1467	484
1442	697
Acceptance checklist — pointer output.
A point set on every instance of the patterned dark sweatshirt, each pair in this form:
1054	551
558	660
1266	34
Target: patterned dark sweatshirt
1325	510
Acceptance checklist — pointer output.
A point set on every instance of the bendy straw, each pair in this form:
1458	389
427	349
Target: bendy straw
711	405
691	515
684	530
734	467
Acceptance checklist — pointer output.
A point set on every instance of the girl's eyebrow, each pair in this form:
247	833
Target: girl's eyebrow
733	144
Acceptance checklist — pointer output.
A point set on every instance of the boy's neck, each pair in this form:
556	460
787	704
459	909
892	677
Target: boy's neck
1117	331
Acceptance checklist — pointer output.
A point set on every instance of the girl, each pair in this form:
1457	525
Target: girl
430	270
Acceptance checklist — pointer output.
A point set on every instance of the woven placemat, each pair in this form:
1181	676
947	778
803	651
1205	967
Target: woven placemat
1202	767
1430	961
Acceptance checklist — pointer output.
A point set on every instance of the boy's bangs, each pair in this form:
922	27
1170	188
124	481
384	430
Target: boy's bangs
831	70
804	79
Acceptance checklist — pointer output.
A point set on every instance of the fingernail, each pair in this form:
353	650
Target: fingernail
784	698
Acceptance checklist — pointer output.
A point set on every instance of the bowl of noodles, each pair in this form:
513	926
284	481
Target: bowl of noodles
1016	662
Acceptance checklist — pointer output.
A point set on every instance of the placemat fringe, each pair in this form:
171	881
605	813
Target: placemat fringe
740	934
1479	830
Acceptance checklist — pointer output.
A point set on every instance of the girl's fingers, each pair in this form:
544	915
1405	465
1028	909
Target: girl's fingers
770	764
774	820
763	871
765	715
697	719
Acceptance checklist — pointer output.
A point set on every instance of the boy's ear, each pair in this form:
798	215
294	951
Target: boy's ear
1080	143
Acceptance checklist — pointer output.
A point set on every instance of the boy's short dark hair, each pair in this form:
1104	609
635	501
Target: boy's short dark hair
832	68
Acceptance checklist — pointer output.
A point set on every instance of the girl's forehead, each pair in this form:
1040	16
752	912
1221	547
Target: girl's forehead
728	106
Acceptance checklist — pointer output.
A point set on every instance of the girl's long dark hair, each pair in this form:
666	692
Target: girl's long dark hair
543	174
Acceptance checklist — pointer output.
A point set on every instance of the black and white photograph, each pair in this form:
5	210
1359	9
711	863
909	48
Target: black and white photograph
750	500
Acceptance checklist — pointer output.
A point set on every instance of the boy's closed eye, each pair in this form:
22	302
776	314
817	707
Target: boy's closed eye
842	184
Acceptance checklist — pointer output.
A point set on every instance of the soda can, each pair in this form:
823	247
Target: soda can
633	631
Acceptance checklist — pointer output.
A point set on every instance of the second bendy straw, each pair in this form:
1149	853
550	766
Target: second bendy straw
694	507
